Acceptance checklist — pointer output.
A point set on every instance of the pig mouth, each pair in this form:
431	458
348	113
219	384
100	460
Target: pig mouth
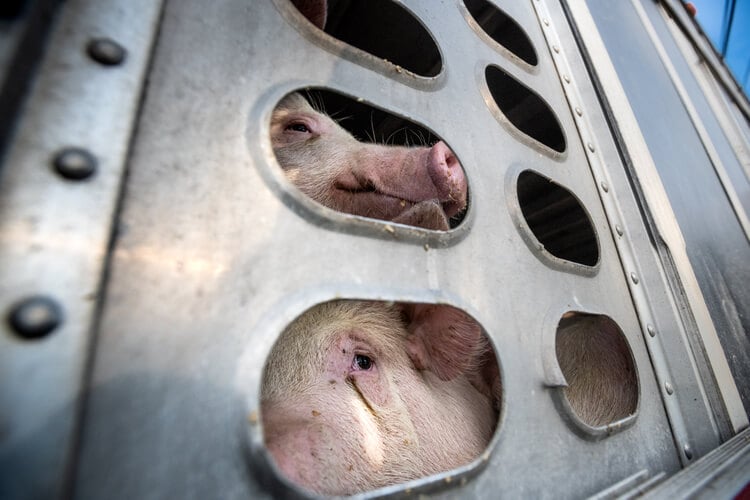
368	200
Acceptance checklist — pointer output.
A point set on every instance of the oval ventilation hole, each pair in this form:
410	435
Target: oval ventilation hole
557	219
411	177
383	28
503	29
598	366
354	391
525	109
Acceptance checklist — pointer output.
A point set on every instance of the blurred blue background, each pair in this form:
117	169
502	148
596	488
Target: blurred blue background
727	24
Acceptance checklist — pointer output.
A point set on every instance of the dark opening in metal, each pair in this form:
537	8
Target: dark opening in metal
387	30
557	219
503	29
525	109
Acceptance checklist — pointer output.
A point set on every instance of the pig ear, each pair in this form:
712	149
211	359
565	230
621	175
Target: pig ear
444	340
314	10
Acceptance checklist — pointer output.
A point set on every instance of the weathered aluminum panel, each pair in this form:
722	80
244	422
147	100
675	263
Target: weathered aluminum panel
55	231
213	259
685	143
215	253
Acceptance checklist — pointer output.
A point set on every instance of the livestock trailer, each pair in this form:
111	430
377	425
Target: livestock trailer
152	251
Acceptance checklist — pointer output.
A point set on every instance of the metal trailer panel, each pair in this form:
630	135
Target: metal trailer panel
55	231
215	252
715	240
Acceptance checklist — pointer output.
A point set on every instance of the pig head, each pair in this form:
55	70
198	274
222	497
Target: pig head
419	186
357	395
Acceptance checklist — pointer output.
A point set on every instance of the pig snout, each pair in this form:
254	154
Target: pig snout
448	177
422	187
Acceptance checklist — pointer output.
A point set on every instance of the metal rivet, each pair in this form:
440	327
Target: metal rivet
566	78
605	186
546	22
619	230
688	451
591	147
556	48
634	278
106	51
75	163
579	112
35	317
651	330
669	388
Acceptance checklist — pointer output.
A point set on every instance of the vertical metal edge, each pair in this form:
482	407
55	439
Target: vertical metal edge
714	93
708	145
661	210
55	231
717	66
626	253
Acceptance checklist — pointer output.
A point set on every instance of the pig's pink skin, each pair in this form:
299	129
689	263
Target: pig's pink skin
335	427
383	182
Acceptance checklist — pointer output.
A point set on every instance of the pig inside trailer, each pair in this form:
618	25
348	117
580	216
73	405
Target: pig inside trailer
500	295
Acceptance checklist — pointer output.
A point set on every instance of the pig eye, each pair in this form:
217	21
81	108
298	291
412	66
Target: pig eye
362	362
298	127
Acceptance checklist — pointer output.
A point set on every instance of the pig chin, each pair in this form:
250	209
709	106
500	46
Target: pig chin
319	458
427	214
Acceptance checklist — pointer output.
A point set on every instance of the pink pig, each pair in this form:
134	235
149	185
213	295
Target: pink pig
358	395
418	186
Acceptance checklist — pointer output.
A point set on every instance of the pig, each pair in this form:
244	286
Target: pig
602	386
418	186
358	395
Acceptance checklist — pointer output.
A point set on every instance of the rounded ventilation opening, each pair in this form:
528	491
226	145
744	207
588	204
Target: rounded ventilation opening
361	160
354	392
598	366
503	29
557	219
382	28
525	110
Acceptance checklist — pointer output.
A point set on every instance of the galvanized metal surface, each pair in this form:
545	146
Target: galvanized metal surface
671	359
54	235
216	253
217	256
24	27
723	473
714	241
710	360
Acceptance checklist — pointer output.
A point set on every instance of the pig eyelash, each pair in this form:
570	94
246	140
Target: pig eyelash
298	127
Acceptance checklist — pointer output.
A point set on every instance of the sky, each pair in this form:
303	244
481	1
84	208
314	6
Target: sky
713	15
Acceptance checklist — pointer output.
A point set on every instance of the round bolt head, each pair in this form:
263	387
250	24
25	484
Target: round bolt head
75	164
688	451
35	317
634	278
619	230
106	51
651	330
669	388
